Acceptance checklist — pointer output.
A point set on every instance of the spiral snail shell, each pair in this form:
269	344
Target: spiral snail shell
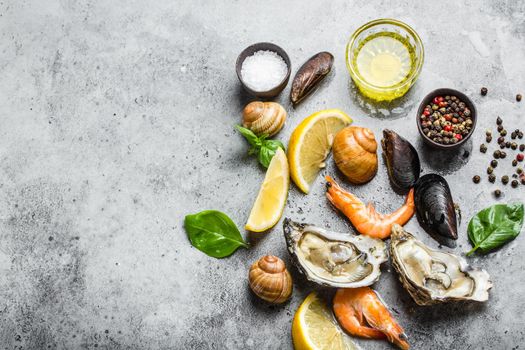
263	117
270	280
355	153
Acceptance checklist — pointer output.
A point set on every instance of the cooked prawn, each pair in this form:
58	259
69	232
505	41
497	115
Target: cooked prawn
361	313
365	218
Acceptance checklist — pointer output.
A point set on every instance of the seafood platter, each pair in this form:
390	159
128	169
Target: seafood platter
384	59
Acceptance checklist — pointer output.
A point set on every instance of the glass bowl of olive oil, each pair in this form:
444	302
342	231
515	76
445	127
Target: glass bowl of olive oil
384	58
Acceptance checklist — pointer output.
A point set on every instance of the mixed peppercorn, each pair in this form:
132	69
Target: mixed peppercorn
446	120
503	143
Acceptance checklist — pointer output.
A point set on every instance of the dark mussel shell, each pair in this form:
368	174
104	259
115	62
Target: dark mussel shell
402	161
309	75
435	208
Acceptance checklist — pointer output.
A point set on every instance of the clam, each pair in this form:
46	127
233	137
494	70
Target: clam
354	151
401	159
263	117
432	276
334	259
435	208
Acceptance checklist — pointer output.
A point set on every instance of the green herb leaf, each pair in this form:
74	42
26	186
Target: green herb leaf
267	151
252	139
494	226
213	233
262	147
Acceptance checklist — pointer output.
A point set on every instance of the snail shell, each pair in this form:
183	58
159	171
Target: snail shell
355	153
270	280
263	117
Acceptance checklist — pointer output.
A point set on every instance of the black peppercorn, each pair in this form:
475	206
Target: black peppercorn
496	154
501	139
514	145
484	91
518	97
503	132
519	170
520	135
499	121
514	183
476	179
490	170
497	193
507	144
505	179
488	139
483	148
502	145
500	128
494	163
502	154
513	135
522	147
488	133
514	162
492	178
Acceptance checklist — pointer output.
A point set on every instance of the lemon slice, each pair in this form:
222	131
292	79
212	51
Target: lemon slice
315	328
269	205
310	144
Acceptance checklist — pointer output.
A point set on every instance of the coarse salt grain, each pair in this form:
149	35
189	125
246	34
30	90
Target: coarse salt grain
263	70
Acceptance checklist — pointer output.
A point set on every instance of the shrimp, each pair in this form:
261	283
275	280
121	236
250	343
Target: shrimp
365	218
361	312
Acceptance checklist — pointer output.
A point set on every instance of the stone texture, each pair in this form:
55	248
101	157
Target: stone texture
117	120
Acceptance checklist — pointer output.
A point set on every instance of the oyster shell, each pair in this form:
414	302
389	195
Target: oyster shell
334	259
432	276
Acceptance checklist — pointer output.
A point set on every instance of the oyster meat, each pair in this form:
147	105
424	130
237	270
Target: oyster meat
432	276
334	259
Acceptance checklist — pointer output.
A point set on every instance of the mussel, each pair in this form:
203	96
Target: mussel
435	208
402	161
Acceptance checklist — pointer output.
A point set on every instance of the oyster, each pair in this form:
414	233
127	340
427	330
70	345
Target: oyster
435	208
402	161
334	259
432	276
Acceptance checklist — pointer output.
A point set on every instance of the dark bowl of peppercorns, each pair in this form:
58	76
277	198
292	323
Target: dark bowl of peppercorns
446	118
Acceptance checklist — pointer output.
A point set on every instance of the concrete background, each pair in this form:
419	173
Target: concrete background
117	121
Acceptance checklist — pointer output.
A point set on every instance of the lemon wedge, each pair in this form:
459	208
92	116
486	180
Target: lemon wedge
310	144
269	205
315	328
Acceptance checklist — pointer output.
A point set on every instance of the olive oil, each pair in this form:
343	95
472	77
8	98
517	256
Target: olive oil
384	61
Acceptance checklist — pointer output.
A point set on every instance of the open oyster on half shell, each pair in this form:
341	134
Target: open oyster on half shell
432	276
334	259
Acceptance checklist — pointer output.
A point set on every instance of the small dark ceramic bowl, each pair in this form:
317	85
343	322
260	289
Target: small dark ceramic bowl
250	50
443	92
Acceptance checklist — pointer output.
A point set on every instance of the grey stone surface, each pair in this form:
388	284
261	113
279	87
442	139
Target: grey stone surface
117	120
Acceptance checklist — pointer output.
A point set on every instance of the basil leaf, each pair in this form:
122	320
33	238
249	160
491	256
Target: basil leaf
263	148
213	233
267	151
252	139
494	226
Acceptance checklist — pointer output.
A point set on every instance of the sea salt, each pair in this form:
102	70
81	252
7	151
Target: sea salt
263	70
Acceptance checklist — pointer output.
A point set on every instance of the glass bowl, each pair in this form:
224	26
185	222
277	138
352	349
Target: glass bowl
381	93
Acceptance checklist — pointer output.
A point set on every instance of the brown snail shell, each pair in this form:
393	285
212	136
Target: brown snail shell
263	117
355	153
270	280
